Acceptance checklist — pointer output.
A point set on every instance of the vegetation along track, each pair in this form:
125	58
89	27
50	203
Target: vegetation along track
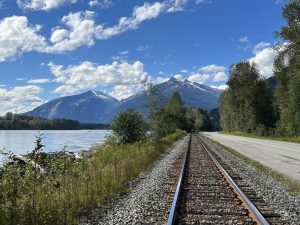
209	192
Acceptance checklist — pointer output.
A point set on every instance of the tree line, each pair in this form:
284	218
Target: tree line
23	122
164	118
250	104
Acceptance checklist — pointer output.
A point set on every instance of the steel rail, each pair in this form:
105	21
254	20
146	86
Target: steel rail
173	211
254	212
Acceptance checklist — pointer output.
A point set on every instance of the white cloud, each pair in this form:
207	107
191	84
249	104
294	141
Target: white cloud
198	78
21	79
88	75
260	46
103	3
244	39
39	81
45	5
212	69
19	99
140	14
178	76
264	58
79	29
158	80
124	53
220	76
124	91
17	37
220	87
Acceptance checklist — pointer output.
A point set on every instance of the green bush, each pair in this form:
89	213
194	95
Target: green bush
129	127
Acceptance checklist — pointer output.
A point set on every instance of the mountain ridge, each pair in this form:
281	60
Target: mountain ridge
98	107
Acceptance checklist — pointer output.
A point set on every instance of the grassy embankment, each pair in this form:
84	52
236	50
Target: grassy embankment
290	184
241	134
68	190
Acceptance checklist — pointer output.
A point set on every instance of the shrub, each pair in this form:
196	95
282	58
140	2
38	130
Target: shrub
129	127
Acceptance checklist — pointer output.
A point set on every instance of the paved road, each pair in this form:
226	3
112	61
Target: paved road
281	156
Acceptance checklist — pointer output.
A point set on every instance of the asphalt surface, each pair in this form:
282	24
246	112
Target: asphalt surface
283	157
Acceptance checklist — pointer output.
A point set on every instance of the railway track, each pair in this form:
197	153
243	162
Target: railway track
208	192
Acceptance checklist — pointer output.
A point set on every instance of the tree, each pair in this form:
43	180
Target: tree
9	116
169	117
247	105
287	72
175	108
198	120
128	127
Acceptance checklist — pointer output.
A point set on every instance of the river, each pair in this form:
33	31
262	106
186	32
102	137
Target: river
23	141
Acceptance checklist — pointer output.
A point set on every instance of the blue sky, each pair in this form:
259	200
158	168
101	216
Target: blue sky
53	48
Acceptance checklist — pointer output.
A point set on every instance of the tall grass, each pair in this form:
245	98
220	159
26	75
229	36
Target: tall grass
66	190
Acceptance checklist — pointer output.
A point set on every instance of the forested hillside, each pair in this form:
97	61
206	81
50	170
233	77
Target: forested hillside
23	122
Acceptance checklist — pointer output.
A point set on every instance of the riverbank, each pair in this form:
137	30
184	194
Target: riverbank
241	134
69	190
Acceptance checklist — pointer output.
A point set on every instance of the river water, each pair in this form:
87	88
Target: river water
23	141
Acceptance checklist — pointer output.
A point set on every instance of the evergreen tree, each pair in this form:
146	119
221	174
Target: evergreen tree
247	105
287	72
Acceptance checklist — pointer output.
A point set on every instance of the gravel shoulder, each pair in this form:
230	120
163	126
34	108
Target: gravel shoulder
287	205
283	157
148	200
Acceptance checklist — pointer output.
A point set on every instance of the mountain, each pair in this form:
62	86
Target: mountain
192	94
97	107
88	107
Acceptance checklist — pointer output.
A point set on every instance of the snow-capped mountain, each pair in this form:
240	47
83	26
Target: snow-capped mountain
97	107
88	107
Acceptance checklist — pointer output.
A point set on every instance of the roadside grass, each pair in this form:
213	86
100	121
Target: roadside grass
290	184
241	134
28	197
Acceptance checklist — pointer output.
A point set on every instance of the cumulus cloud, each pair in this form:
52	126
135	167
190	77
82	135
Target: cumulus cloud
88	75
264	58
220	76
212	69
217	73
17	37
45	5
125	91
19	99
198	78
140	14
77	29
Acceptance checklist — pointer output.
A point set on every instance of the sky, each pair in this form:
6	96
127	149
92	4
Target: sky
54	48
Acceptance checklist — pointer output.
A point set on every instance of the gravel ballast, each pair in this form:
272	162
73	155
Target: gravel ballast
287	205
147	202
